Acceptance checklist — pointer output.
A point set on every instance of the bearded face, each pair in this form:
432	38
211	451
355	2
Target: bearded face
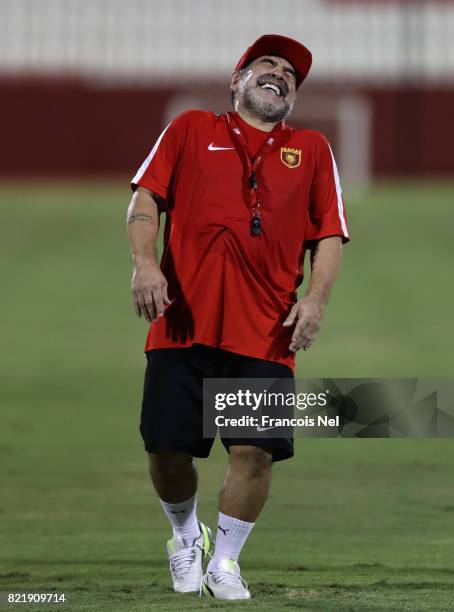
266	88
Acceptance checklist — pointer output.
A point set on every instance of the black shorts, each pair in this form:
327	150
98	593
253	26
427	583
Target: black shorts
172	406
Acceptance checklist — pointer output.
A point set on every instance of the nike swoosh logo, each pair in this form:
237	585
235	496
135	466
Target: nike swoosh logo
211	147
264	428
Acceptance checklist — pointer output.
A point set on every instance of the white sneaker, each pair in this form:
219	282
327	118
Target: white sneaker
225	582
186	562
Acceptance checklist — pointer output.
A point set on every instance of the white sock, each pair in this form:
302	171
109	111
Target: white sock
183	517
230	539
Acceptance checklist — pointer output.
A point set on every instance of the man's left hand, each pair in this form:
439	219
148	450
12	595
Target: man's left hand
307	314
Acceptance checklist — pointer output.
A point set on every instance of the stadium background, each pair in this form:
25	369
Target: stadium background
85	89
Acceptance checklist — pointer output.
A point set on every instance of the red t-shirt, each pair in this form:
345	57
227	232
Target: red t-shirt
253	137
233	290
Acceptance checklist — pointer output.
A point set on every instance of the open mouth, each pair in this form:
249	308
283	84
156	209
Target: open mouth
274	88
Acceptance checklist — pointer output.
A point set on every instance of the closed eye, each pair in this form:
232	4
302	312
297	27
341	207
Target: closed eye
271	63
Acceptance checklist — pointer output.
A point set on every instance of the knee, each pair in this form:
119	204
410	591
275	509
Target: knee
256	462
168	464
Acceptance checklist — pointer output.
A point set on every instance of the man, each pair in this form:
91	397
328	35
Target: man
245	195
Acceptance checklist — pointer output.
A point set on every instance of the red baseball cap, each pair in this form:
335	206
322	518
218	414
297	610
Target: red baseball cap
283	46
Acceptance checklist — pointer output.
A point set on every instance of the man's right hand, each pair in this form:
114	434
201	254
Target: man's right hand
149	291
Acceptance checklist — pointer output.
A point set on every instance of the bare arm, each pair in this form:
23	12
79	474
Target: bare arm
326	259
149	286
307	313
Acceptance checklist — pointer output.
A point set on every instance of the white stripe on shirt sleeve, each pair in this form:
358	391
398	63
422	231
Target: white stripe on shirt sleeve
340	205
146	163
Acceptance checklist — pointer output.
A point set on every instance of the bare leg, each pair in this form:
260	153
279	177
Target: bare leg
173	475
246	482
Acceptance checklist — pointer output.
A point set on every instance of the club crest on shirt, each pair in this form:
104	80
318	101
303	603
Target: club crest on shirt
291	157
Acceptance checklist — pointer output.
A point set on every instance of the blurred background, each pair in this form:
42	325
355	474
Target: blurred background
85	89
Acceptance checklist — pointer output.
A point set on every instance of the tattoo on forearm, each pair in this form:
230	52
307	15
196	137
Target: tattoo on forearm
140	217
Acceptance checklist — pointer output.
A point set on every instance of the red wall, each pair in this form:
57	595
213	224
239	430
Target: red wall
413	131
58	127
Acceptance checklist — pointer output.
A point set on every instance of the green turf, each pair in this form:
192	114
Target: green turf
350	524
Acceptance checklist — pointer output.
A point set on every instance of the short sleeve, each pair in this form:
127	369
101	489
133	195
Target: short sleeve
327	215
157	170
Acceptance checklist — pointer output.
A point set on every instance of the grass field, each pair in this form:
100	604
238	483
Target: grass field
350	524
